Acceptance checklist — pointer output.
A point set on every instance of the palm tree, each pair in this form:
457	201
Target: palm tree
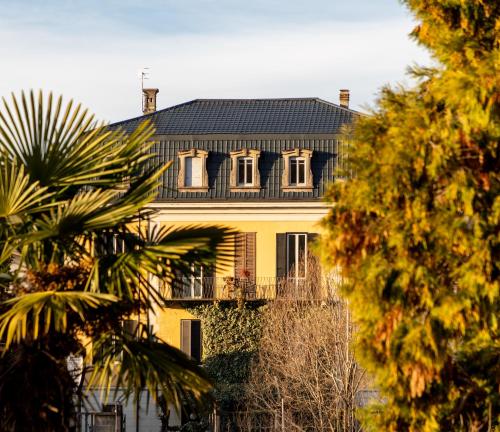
70	192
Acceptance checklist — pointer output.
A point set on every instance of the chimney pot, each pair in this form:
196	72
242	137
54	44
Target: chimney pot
344	98
149	100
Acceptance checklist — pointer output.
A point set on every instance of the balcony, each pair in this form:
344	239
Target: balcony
260	288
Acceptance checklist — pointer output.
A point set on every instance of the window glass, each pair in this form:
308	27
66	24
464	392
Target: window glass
245	171
193	171
297	171
296	256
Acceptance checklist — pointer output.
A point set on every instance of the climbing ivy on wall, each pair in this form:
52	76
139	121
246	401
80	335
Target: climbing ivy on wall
231	335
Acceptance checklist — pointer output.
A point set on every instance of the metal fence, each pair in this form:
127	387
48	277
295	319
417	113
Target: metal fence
259	288
102	421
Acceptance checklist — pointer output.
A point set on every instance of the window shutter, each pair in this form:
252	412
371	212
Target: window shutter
312	238
130	327
189	172
193	171
313	268
186	337
191	339
281	255
245	253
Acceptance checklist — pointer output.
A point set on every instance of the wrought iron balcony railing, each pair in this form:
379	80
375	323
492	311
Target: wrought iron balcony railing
260	288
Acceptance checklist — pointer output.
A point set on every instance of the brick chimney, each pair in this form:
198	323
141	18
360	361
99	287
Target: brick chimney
149	100
344	98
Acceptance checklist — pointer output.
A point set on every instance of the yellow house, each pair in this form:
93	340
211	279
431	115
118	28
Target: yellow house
259	166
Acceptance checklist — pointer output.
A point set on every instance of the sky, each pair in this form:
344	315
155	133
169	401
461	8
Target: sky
91	50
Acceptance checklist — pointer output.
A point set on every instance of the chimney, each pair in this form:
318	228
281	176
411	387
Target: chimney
149	100
344	98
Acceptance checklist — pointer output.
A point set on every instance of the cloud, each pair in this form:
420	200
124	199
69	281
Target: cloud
99	69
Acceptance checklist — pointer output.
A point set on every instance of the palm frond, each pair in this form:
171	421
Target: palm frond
18	194
161	253
146	363
34	315
65	147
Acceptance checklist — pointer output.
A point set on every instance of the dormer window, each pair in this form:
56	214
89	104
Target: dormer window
193	172
245	176
245	171
297	171
193	175
297	174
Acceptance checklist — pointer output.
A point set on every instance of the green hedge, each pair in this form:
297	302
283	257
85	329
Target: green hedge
231	335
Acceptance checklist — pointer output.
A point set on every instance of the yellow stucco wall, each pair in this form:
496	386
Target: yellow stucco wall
168	319
265	240
169	324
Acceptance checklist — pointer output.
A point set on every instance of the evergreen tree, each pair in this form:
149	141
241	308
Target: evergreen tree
416	231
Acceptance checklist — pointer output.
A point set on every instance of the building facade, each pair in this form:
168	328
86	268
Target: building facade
259	166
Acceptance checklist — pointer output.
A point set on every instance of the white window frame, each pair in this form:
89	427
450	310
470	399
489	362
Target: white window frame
296	252
300	161
245	154
246	161
191	283
297	154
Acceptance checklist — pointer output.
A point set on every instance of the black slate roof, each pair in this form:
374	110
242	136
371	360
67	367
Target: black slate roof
247	116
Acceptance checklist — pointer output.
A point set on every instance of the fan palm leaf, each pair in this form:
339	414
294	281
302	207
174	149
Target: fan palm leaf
65	147
19	195
35	315
146	363
67	186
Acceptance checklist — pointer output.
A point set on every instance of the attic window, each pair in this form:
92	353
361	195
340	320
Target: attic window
245	176
297	171
245	171
297	174
192	175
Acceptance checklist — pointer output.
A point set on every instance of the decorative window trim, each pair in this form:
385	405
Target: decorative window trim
285	179
181	179
233	183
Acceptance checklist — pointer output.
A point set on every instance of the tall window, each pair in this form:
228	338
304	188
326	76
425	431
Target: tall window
297	171
191	339
245	171
245	175
297	175
296	256
193	284
193	175
193	172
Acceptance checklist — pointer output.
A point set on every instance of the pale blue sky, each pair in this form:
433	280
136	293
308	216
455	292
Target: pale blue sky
91	50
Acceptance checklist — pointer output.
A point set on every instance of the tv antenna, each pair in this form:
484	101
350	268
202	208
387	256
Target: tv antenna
143	75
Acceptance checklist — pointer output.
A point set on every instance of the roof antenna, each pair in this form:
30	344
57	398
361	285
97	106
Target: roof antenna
143	75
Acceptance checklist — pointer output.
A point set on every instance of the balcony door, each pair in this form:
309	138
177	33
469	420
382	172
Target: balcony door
296	266
197	284
296	252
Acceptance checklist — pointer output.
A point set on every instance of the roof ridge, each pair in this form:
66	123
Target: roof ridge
255	99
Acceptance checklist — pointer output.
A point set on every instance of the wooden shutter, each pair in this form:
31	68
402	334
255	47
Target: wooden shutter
193	171
191	339
130	327
186	337
245	252
281	255
313	267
